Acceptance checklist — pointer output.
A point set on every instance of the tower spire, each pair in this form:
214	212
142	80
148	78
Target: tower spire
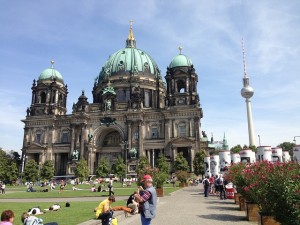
244	58
130	42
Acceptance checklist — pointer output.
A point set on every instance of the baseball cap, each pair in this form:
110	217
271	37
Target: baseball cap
147	177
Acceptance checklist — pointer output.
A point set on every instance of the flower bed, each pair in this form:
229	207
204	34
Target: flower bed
275	187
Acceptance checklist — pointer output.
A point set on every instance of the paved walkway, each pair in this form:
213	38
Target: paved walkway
188	206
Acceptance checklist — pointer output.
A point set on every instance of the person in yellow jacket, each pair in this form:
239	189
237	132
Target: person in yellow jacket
104	211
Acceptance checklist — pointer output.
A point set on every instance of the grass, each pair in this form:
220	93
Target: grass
19	192
77	213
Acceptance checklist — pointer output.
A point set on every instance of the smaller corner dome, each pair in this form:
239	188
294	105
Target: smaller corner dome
50	74
180	60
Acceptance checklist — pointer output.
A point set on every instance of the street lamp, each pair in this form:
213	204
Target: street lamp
295	139
259	140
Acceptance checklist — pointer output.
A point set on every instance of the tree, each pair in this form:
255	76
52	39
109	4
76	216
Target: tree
236	149
287	146
163	171
181	163
199	165
47	170
31	171
12	173
120	167
3	165
15	157
162	164
82	171
103	168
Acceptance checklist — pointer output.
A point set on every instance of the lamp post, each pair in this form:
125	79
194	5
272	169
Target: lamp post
259	140
124	146
295	139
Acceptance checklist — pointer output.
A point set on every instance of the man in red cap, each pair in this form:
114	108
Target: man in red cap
147	200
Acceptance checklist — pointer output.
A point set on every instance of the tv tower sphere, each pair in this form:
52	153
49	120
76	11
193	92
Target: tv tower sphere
247	92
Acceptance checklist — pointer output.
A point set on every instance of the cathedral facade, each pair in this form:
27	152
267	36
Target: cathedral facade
134	113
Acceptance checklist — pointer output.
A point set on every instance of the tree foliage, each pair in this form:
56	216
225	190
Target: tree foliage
236	149
12	173
47	170
287	146
199	166
31	171
181	163
82	171
103	169
163	171
120	167
3	164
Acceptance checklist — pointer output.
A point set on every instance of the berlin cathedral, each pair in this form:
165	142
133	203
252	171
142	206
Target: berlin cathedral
134	112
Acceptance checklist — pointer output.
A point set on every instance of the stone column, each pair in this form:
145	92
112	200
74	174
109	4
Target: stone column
72	137
82	142
190	128
141	138
192	155
91	158
153	157
129	134
174	153
174	129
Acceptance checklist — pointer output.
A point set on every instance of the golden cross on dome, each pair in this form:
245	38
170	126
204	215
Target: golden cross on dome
52	63
130	21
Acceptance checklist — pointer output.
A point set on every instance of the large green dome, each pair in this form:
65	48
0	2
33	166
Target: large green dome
50	74
130	61
180	60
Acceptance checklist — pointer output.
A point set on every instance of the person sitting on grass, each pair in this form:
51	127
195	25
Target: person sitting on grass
32	220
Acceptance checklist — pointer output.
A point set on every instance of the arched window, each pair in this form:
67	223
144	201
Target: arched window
147	99
112	139
182	129
181	86
43	97
65	137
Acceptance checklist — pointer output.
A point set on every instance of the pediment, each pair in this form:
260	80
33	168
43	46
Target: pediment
182	140
36	146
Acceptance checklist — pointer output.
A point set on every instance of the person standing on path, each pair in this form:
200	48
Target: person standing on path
110	187
206	186
3	188
148	201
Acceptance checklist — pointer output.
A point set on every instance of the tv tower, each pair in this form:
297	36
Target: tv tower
247	92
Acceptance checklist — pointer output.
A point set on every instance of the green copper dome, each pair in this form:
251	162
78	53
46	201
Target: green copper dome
180	60
50	74
130	61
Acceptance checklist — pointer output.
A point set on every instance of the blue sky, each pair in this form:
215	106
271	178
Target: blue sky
80	35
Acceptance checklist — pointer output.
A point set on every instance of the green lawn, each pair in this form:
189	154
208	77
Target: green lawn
84	191
77	213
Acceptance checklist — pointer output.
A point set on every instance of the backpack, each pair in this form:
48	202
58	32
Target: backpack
219	182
